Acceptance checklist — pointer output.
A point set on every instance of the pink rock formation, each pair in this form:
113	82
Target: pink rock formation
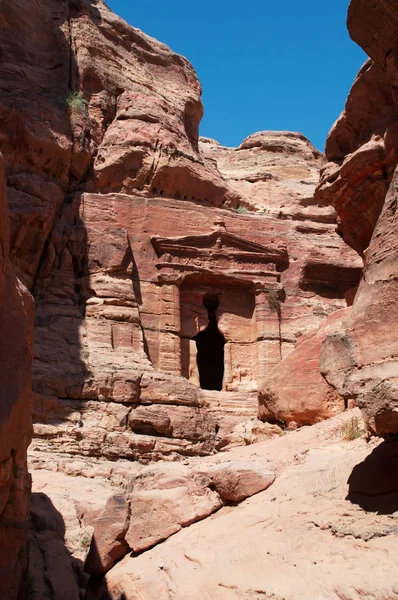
295	392
360	359
273	172
306	534
126	226
151	504
108	544
173	278
299	538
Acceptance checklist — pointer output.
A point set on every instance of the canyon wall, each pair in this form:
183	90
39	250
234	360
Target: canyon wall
16	351
137	239
123	222
360	181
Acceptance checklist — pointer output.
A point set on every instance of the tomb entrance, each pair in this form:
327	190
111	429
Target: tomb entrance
216	325
210	349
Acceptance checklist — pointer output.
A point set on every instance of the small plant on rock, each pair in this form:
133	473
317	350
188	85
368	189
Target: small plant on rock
85	540
351	430
75	104
241	210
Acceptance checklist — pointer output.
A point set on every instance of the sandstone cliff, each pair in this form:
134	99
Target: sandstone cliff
115	205
136	237
361	183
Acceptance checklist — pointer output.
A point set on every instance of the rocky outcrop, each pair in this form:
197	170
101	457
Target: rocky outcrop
107	511
35	131
273	172
295	392
302	523
329	511
360	359
362	156
139	241
16	349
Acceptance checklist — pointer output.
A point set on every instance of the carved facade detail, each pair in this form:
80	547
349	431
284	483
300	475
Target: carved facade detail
240	274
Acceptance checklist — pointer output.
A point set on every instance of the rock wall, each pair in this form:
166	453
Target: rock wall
136	237
123	222
16	350
360	180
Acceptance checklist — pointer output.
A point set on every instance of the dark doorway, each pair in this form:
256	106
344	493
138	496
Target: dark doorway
210	349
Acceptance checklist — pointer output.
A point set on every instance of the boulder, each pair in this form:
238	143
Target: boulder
295	391
238	480
108	544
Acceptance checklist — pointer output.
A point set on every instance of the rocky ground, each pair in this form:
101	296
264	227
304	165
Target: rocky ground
308	514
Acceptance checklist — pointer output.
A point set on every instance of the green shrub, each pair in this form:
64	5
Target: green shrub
85	540
241	210
75	104
351	430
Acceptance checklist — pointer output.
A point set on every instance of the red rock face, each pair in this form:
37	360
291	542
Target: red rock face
295	392
144	113
361	149
360	360
35	136
16	349
362	145
123	222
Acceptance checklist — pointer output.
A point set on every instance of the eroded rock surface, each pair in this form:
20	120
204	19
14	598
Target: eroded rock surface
107	511
330	509
302	522
137	240
360	180
124	224
295	392
16	352
273	172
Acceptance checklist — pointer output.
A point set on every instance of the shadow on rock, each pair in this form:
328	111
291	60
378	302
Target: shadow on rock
53	571
97	589
108	546
373	484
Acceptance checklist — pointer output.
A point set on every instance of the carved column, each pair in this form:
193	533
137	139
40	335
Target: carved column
268	333
170	325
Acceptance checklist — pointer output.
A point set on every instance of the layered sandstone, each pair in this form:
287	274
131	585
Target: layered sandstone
360	181
273	172
136	238
300	538
123	221
315	502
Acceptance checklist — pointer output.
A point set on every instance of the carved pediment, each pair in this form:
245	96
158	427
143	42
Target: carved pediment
219	243
219	252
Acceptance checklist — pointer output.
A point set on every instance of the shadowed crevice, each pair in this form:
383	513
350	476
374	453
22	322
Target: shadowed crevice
373	484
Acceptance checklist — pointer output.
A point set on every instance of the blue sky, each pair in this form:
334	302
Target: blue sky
262	64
